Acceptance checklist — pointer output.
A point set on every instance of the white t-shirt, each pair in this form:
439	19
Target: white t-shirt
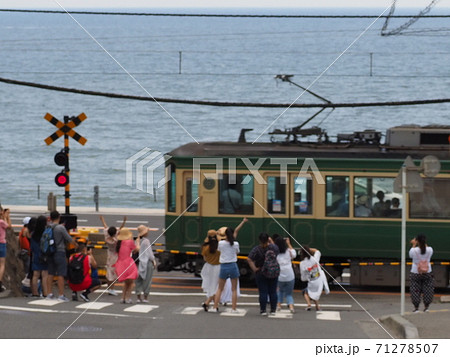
285	261
228	253
414	254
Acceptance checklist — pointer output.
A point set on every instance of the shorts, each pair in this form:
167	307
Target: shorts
229	270
57	264
2	250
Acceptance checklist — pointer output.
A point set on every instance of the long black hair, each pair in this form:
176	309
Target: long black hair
229	232
422	241
212	243
280	242
41	223
305	253
32	225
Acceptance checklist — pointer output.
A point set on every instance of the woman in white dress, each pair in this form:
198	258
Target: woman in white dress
311	272
211	268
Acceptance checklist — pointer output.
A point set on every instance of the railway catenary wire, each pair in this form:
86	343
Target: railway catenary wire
108	13
224	104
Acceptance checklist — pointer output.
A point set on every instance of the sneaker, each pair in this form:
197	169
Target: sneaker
308	308
273	313
415	311
216	310
426	310
113	292
263	313
129	301
205	307
2	289
50	297
234	311
63	298
145	301
292	311
84	296
74	296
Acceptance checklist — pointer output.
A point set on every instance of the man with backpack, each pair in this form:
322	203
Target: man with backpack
262	259
57	237
80	272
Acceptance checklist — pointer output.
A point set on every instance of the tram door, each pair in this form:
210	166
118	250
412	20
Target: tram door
301	209
288	208
276	205
191	224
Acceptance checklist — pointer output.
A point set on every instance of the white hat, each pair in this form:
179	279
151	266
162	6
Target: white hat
26	220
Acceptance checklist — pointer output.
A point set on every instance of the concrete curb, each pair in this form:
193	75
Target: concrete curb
91	210
400	326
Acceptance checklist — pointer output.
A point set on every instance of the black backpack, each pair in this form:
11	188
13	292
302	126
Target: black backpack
270	268
75	269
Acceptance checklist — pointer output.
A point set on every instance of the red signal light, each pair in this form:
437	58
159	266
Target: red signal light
62	179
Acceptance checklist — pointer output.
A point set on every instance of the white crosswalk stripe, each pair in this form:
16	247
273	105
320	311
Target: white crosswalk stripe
45	302
283	314
328	315
142	308
238	313
94	305
190	310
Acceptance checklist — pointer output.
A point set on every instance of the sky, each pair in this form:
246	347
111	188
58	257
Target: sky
44	4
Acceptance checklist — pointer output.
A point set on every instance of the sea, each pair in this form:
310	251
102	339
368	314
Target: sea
229	59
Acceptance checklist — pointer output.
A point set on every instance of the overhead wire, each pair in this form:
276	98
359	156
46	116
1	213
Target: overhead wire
156	14
225	104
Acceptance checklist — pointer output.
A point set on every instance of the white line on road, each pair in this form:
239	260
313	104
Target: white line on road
328	315
143	308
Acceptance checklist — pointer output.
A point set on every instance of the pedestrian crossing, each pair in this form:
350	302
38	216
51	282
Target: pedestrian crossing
189	310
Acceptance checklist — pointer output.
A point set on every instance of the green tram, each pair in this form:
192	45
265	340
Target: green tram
320	193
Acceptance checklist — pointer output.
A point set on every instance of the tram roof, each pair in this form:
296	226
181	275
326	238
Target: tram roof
307	149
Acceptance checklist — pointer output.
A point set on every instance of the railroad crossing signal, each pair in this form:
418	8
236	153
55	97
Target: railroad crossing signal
66	128
62	158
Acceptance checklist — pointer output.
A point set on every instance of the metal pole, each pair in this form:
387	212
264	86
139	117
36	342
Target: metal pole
403	250
39	192
371	63
180	54
67	168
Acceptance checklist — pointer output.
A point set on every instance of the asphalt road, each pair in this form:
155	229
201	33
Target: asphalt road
174	312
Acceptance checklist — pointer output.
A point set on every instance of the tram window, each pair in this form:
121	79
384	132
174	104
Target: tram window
191	195
276	195
337	196
236	198
303	202
432	203
374	197
172	189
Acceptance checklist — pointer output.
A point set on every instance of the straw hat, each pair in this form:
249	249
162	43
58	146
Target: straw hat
221	233
362	200
211	233
125	234
142	230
